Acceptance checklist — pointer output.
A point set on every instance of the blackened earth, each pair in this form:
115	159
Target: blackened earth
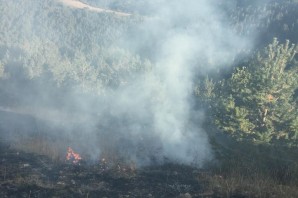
30	175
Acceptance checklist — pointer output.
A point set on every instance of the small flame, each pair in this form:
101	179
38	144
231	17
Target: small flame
73	156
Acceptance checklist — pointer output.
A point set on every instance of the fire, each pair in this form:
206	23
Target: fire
73	156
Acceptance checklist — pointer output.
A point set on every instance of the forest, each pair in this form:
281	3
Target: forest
160	86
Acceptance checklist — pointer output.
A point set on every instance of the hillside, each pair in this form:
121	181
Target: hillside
128	98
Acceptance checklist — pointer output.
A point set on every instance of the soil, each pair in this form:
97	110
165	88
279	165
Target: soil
30	175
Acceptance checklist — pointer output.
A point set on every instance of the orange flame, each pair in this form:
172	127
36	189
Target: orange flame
73	156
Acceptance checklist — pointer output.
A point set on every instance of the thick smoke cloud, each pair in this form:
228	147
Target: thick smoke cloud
152	119
183	38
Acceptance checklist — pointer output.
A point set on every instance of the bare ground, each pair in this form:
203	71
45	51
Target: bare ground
80	5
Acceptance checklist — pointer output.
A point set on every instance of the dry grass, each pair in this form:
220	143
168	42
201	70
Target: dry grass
238	185
40	145
234	175
252	174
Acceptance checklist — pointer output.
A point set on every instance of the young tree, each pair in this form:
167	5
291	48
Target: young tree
258	101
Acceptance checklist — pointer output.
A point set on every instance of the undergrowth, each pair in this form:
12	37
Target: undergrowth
244	170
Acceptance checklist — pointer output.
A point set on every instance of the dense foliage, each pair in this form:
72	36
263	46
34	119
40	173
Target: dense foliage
73	48
44	39
258	102
266	20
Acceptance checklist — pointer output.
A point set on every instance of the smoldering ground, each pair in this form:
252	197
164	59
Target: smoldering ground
151	118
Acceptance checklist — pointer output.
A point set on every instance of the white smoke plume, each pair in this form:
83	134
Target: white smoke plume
183	38
152	119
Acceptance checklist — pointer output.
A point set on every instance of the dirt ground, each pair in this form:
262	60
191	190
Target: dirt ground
80	5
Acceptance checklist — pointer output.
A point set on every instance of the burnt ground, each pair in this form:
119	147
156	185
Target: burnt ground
42	172
30	175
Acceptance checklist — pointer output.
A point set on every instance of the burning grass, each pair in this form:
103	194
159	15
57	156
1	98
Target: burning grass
42	166
24	174
30	175
72	156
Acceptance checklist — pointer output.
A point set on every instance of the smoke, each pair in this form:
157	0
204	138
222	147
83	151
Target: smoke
152	119
184	38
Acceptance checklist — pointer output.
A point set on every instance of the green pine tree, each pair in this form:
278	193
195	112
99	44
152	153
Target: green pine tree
258	101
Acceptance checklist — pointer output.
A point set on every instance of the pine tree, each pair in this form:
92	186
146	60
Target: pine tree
258	101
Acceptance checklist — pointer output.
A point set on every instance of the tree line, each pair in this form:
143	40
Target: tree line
256	101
